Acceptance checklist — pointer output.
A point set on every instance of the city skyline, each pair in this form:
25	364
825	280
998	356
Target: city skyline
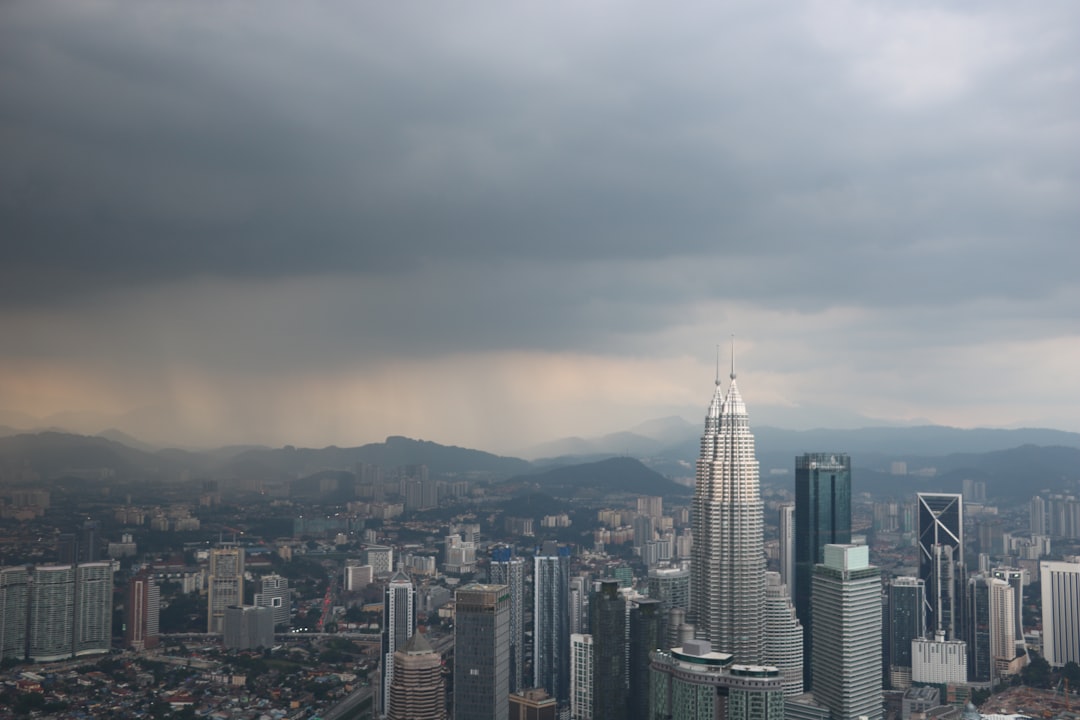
300	235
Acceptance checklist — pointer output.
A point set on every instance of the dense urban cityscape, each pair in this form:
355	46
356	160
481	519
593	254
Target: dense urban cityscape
371	591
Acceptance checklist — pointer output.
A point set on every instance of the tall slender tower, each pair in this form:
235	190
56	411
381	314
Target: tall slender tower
728	558
847	657
551	620
609	652
787	547
399	624
822	517
482	653
907	621
941	559
506	569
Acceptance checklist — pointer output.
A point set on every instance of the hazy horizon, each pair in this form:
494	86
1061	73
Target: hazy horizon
494	225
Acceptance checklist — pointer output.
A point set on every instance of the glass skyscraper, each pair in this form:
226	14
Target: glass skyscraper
551	620
941	560
822	517
482	653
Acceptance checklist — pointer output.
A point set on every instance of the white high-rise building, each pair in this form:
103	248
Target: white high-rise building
399	624
225	584
846	656
783	635
275	595
1061	610
93	608
52	612
787	547
728	558
581	676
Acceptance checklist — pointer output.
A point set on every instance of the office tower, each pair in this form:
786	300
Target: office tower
783	635
671	586
941	558
418	689
52	612
846	596
579	604
607	610
14	606
275	595
93	608
822	517
225	584
142	612
533	704
907	621
399	624
646	636
991	632
581	676
551	620
692	682
247	627
787	547
1016	578
508	570
482	653
728	558
1061	610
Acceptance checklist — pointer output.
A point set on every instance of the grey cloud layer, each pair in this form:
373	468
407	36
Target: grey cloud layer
547	154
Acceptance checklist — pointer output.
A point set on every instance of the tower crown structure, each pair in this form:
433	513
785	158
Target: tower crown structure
728	560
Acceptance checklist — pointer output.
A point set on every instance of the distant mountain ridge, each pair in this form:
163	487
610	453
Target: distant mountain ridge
1011	461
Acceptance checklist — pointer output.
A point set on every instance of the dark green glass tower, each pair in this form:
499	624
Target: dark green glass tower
822	517
607	613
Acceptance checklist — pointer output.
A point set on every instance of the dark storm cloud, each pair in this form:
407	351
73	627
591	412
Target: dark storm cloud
549	156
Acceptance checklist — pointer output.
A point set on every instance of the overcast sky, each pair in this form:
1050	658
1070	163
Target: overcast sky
494	224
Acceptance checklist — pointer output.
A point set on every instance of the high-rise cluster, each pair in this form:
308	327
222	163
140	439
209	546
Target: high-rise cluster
55	612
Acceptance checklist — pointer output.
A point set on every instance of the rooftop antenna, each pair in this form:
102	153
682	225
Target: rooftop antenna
717	363
732	356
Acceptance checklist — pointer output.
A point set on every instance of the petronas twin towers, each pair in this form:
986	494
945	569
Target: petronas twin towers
728	558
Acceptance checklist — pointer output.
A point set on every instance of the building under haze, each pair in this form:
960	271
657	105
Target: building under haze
418	689
847	649
907	622
142	612
728	557
224	584
822	517
551	620
1061	611
399	624
941	560
482	652
506	569
14	603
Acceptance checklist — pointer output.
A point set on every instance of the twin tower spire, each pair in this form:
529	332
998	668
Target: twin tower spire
728	558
